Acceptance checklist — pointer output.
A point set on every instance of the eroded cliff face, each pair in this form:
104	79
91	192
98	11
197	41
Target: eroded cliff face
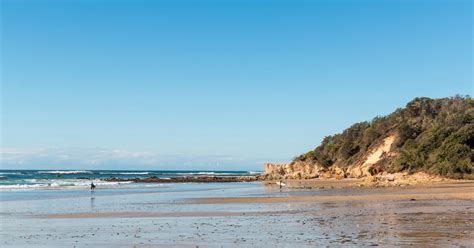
308	169
295	170
368	165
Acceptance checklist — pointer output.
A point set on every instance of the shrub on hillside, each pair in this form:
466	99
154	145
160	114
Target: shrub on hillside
433	135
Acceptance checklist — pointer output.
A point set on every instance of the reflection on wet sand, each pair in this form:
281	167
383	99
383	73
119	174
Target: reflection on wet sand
249	215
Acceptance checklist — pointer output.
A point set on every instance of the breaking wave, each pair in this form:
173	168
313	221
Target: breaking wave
58	184
66	172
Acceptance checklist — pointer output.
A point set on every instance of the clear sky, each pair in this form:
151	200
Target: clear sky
214	84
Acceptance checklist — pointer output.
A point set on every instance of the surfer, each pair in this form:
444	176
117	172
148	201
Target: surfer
92	186
281	184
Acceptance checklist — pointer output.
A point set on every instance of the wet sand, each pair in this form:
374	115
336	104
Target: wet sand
249	215
463	190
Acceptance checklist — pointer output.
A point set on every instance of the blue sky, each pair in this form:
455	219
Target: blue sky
214	84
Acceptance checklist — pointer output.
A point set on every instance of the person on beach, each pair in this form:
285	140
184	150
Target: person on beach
92	186
281	184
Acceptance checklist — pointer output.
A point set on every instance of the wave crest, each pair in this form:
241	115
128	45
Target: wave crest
65	172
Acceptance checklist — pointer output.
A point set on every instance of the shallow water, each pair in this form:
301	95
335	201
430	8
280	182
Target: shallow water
166	215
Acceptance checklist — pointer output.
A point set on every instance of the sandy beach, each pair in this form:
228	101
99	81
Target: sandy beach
204	123
461	190
246	214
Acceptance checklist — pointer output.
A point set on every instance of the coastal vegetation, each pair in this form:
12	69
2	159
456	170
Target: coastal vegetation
431	135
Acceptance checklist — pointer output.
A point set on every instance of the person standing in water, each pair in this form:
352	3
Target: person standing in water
92	186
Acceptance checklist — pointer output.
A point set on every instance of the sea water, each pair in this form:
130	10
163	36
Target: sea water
70	179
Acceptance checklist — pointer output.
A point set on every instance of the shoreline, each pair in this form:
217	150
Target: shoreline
442	191
380	180
195	179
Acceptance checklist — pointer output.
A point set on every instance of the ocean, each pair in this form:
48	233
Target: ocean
77	179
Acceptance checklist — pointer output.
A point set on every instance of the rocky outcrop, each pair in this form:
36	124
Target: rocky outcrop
201	179
308	169
400	179
287	170
296	170
301	170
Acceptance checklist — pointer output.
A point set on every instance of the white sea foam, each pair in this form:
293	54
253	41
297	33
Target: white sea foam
124	173
66	172
134	173
204	173
10	173
60	184
22	186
